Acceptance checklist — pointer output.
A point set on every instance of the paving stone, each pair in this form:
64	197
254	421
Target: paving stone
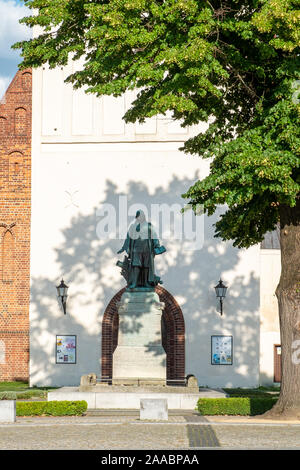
129	432
202	436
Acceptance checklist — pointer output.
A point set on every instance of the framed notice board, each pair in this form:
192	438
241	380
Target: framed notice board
221	350
66	349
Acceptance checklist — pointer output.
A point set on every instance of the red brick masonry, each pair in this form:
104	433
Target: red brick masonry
15	205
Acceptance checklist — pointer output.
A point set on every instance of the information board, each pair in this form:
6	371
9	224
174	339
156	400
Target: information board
66	349
221	350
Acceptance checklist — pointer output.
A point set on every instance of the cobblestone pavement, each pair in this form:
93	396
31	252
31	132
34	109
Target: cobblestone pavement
128	432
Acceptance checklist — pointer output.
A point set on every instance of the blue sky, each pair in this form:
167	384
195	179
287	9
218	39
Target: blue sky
10	32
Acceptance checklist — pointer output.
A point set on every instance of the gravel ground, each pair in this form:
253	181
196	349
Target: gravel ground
128	432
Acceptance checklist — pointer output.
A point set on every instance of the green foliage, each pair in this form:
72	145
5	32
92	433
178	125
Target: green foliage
261	392
14	386
18	395
245	406
270	388
253	174
51	408
233	65
282	16
20	390
8	395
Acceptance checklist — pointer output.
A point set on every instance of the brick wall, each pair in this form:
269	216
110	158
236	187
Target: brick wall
173	337
15	190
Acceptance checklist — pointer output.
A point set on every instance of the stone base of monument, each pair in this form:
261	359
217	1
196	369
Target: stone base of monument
139	364
139	356
140	381
122	397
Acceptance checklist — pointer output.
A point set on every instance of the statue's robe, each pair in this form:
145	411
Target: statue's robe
132	246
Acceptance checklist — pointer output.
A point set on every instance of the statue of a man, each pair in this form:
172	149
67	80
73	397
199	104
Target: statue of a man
141	245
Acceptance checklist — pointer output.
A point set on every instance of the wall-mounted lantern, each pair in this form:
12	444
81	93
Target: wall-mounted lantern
221	289
62	294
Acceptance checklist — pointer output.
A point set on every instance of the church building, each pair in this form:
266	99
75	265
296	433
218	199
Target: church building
73	175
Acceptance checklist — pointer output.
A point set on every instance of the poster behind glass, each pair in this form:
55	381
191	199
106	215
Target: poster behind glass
221	350
66	349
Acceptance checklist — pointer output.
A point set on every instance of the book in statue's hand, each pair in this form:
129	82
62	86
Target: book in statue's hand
159	250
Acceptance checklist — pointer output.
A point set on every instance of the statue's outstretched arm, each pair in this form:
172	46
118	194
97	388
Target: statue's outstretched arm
125	246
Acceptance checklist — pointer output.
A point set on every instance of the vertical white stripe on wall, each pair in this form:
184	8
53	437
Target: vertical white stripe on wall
113	111
52	99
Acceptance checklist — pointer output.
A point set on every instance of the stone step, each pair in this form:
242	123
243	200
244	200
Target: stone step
133	412
125	399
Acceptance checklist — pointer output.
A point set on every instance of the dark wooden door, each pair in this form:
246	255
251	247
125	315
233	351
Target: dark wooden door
277	363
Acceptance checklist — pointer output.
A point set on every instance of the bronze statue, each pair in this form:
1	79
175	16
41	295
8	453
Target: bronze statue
141	246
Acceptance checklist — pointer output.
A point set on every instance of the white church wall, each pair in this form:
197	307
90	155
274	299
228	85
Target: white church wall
91	159
270	268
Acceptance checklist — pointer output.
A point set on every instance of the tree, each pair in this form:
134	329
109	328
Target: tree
233	64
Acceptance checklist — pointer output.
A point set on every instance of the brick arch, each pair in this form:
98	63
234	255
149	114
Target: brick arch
16	170
26	80
20	121
173	336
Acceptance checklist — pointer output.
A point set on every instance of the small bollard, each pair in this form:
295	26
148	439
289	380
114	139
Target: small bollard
154	409
7	411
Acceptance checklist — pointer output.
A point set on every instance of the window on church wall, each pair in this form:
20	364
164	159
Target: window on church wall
8	257
20	121
16	171
26	80
3	125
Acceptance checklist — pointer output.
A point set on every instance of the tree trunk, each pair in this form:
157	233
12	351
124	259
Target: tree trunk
288	295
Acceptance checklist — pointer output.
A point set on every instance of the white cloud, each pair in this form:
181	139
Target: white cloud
4	82
11	30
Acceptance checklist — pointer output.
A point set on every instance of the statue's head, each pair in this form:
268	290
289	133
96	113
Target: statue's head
140	216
